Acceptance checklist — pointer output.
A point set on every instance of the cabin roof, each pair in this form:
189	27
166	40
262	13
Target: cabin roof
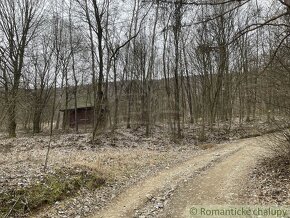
82	103
78	108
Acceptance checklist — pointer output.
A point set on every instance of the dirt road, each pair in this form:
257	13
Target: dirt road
216	176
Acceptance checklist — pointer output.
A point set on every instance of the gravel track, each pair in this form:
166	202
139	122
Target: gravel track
216	176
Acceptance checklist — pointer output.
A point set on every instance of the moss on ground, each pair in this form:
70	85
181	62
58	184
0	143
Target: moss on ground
54	187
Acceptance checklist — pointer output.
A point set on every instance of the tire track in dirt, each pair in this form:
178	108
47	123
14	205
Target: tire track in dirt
223	184
222	155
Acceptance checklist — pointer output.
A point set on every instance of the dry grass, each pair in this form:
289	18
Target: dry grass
122	159
206	146
54	187
119	164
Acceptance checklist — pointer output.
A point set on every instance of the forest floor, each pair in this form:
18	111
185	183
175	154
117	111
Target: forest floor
126	160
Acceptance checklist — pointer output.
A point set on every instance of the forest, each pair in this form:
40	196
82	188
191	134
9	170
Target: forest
100	99
142	62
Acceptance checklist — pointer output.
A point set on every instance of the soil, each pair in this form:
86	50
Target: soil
216	176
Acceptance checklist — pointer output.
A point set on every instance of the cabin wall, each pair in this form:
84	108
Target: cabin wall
85	117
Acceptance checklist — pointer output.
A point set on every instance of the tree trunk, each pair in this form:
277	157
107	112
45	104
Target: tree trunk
11	128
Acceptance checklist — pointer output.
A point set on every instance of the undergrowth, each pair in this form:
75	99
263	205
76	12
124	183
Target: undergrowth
54	187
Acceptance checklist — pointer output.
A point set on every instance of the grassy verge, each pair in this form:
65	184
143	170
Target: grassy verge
55	187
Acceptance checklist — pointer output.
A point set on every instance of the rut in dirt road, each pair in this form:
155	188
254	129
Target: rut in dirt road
215	176
223	184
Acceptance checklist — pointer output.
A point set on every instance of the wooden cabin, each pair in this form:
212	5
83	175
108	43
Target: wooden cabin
84	116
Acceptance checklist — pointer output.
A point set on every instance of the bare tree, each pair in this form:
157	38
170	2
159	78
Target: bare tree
19	21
